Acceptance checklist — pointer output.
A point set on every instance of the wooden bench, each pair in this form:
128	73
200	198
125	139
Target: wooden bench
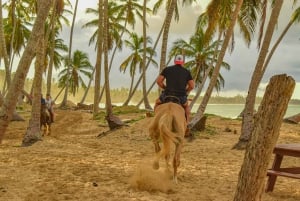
281	150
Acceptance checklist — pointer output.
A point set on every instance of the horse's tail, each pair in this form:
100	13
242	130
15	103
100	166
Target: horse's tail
166	126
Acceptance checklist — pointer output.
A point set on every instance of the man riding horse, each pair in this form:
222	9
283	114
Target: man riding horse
179	83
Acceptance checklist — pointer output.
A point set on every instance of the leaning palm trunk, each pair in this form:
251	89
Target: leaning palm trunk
17	84
248	113
88	87
33	132
217	68
167	25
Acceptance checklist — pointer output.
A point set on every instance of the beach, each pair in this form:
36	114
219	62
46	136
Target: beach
74	163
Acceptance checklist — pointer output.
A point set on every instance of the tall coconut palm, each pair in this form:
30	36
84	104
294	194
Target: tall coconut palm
33	132
64	101
77	69
248	113
146	101
113	121
99	59
17	84
134	60
57	10
114	23
199	56
216	70
171	8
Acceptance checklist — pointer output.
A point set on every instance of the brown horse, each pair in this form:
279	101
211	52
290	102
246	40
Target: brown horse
45	119
169	125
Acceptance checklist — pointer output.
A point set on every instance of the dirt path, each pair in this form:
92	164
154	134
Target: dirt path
74	164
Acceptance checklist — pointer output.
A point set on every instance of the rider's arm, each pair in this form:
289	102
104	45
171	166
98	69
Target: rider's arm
160	81
190	86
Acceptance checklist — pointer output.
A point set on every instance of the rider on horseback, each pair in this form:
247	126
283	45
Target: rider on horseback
179	83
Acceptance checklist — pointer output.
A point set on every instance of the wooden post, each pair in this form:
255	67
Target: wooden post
264	136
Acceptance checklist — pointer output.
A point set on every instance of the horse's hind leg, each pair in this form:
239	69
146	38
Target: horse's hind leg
176	160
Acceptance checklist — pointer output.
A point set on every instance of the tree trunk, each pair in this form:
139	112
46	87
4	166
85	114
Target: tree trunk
65	100
33	132
145	97
264	137
167	25
247	123
52	46
217	68
98	60
17	84
112	120
88	87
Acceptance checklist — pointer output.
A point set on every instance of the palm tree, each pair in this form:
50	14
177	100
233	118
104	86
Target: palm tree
54	25
219	62
112	120
64	102
136	45
78	68
33	133
16	32
202	55
99	59
146	101
114	24
17	84
171	7
247	123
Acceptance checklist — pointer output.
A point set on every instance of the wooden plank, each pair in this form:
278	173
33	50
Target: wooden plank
284	174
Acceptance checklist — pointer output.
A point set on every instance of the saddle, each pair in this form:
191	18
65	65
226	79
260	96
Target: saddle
172	99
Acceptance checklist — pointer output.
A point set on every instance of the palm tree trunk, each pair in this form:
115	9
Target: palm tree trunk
17	84
217	68
99	59
113	121
52	44
247	123
64	102
33	132
88	87
146	101
167	25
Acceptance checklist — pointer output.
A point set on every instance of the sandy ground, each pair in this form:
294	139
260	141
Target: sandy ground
74	164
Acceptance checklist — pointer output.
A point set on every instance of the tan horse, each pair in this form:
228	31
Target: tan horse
169	125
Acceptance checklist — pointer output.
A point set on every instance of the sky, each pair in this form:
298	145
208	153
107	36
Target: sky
286	59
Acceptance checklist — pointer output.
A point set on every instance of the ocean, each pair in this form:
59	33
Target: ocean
234	110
